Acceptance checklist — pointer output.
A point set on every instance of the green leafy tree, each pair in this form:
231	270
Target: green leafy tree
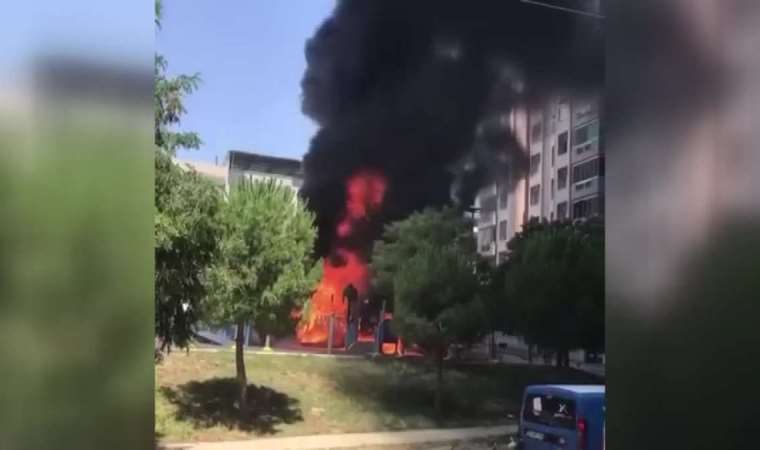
427	263
168	102
554	286
185	216
403	239
186	228
264	269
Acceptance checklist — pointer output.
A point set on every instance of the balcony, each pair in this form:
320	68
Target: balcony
586	150
588	186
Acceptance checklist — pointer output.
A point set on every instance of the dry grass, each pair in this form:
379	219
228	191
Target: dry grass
292	395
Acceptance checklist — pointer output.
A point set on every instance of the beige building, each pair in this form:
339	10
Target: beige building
239	165
565	176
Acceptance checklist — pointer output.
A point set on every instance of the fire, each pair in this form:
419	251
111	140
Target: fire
365	193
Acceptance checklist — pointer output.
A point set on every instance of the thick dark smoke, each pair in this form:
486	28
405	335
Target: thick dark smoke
400	87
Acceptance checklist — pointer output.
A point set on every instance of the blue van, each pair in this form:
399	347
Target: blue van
562	417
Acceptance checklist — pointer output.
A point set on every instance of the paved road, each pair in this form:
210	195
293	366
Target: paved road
352	440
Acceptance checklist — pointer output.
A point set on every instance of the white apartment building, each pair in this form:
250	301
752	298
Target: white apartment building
239	165
564	180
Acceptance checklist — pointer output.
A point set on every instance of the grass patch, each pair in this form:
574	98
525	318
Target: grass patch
293	395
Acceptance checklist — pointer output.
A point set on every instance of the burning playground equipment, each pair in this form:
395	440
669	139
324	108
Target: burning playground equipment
345	277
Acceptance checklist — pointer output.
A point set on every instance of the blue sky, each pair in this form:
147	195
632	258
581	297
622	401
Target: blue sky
250	57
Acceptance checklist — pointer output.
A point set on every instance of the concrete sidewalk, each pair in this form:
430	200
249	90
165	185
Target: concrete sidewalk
352	440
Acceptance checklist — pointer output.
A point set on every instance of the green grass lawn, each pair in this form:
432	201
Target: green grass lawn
293	395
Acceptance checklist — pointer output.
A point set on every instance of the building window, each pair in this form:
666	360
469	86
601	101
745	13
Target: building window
503	230
535	132
581	149
486	238
588	169
562	211
562	178
562	143
535	194
589	207
535	163
503	195
488	204
552	191
553	149
586	133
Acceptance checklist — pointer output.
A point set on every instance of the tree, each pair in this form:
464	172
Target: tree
554	285
264	269
427	262
403	239
185	217
186	226
168	102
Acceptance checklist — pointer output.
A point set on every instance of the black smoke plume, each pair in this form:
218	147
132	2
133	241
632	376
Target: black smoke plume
401	87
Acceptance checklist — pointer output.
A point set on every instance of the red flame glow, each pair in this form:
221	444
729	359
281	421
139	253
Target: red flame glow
365	194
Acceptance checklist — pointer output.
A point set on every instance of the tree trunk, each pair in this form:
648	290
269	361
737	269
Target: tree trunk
439	383
240	368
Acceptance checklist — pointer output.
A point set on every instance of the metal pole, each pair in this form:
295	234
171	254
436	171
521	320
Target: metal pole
379	334
330	334
492	343
267	344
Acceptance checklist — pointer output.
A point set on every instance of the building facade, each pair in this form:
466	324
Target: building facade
564	179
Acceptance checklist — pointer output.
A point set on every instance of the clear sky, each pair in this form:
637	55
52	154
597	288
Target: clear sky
250	56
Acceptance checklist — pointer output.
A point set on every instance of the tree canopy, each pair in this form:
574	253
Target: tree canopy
186	228
554	285
406	238
265	266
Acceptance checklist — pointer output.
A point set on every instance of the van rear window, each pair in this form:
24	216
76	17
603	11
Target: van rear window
549	410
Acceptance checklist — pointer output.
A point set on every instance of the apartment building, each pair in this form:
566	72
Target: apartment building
240	165
565	175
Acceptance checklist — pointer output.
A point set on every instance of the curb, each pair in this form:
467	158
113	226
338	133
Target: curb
351	440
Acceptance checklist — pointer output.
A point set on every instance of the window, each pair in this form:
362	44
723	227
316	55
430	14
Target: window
503	195
488	204
588	207
503	230
562	143
553	148
486	237
562	211
586	133
562	178
535	132
535	193
588	169
552	192
535	163
549	410
487	209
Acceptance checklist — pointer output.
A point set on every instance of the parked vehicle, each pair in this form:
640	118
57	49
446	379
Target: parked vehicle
562	417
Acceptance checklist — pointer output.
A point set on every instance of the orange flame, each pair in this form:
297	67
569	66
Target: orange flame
365	193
